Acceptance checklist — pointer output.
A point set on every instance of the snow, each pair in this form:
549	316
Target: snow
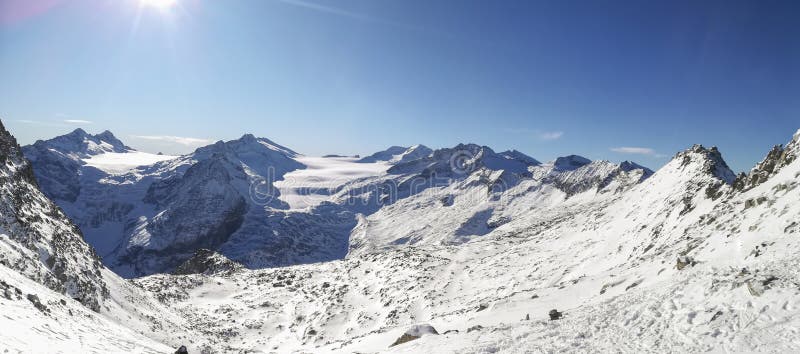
68	327
119	163
675	262
307	188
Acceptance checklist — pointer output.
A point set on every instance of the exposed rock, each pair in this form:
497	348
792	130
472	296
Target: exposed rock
776	159
474	328
555	315
207	262
685	261
414	333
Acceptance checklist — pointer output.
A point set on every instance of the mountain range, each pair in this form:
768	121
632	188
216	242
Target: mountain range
248	246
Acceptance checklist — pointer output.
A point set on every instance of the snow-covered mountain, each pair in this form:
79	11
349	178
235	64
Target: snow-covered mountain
680	261
460	250
151	218
254	201
37	239
55	294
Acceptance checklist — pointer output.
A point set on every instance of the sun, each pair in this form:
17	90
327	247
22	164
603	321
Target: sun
159	4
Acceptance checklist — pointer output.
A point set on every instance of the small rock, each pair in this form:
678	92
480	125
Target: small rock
474	328
414	333
555	315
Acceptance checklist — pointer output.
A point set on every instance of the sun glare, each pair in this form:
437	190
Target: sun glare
160	4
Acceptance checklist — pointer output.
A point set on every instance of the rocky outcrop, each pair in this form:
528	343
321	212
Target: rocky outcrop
776	159
711	160
414	333
207	262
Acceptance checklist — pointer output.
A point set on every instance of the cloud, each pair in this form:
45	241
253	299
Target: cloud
550	136
186	141
77	121
634	150
350	14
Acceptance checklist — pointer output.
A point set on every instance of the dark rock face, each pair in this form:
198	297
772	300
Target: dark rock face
555	315
39	241
207	262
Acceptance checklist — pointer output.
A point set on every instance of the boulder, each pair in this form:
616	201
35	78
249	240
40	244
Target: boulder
414	333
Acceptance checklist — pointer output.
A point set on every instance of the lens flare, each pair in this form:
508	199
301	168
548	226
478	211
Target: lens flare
159	4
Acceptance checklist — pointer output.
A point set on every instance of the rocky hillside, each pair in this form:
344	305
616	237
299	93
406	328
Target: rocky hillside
37	239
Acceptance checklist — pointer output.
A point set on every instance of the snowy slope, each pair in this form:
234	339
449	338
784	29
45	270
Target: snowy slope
678	263
473	246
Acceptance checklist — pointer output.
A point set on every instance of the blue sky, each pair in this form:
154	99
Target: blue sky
548	78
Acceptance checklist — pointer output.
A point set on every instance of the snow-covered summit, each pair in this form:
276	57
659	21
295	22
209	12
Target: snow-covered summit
80	144
706	160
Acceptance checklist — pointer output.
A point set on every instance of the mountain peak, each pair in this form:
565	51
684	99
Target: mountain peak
79	132
570	162
519	156
248	138
81	144
776	158
397	154
708	159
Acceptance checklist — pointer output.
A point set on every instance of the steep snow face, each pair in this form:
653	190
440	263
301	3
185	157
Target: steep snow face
37	239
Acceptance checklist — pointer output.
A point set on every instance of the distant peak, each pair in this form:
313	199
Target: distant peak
78	132
83	144
248	137
519	156
571	162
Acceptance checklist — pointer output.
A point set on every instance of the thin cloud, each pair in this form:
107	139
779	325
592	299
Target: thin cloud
182	140
350	14
550	136
634	150
77	121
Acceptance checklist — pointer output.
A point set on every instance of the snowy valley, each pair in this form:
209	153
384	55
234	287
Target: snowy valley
246	246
